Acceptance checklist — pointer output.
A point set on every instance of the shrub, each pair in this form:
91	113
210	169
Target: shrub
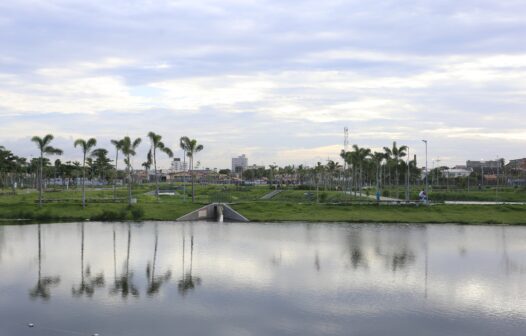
137	212
111	215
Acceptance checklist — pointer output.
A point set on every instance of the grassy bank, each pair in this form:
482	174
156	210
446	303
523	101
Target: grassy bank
290	205
273	211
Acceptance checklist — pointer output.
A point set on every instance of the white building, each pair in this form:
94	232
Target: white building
457	172
178	165
239	164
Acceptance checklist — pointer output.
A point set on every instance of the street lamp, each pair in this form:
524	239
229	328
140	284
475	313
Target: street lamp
427	173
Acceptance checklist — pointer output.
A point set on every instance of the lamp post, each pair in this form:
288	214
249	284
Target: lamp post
427	172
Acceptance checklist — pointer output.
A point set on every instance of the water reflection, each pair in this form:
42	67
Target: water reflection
327	279
44	283
87	282
188	281
155	281
123	284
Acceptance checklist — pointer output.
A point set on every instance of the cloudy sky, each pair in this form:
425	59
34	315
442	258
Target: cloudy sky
277	80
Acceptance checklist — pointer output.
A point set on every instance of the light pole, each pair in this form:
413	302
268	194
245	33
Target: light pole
427	173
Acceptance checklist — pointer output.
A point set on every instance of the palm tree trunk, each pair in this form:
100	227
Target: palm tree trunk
156	176
84	181
40	182
116	174
129	183
193	177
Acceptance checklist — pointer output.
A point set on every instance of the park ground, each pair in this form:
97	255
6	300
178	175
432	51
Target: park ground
289	205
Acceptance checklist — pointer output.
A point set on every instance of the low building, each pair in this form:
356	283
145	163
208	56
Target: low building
457	172
491	164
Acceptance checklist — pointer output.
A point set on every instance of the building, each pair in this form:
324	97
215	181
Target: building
485	166
178	165
255	167
518	164
491	164
457	172
239	164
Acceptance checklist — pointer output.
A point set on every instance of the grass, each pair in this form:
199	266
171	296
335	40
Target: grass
274	211
289	205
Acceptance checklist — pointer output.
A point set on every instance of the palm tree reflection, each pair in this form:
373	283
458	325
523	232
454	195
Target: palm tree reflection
87	283
41	289
123	284
188	281
155	282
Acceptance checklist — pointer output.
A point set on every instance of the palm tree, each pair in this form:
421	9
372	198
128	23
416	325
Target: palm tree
191	148
45	148
158	144
118	147
148	163
128	149
86	147
394	156
361	154
378	157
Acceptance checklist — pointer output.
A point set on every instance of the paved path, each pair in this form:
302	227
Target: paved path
271	194
483	203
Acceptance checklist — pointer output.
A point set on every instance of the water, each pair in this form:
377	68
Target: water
262	279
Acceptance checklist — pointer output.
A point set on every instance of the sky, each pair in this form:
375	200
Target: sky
275	80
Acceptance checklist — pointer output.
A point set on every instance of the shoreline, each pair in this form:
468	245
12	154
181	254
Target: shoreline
277	212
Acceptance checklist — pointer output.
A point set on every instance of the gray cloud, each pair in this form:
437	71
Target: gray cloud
277	80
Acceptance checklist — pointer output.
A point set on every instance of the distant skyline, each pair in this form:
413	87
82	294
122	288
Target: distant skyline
275	80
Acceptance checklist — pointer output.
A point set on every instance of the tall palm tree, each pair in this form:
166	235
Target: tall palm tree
378	157
157	144
191	147
86	147
45	148
118	147
361	154
394	155
128	149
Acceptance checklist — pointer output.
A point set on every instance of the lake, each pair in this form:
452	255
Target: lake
202	278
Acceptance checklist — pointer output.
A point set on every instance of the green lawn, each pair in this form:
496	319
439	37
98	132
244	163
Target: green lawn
274	211
289	205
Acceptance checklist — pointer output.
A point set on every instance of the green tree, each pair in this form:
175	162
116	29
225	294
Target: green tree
118	147
86	147
394	156
128	150
191	148
102	164
45	148
157	144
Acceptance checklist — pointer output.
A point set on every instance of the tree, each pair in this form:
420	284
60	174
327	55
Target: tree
394	156
378	157
157	144
45	148
191	147
101	164
118	147
128	149
86	147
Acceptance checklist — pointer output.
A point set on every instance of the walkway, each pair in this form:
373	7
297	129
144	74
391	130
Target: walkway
271	194
483	203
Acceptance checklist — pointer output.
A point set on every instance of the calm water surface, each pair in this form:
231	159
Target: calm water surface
262	279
